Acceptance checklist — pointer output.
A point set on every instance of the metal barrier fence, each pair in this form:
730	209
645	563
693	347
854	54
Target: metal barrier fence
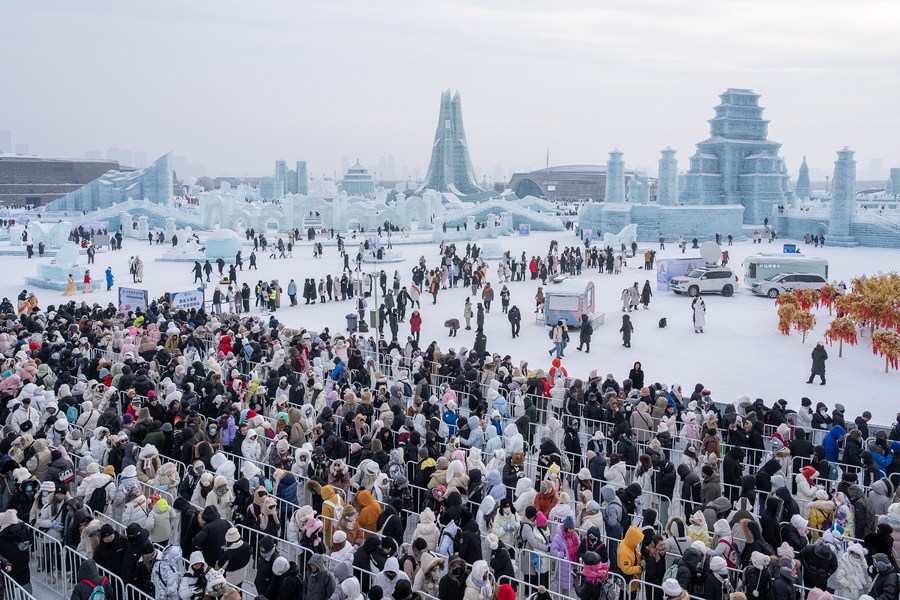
12	590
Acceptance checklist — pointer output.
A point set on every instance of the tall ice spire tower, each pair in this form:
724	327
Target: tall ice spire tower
803	191
450	169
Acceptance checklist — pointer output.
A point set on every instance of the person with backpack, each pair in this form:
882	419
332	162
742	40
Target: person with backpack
90	584
725	545
535	567
613	517
166	574
757	580
718	585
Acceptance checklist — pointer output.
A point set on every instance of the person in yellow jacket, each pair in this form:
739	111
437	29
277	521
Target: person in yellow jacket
332	510
628	558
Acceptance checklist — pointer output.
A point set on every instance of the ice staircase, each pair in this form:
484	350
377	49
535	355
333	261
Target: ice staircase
537	220
156	212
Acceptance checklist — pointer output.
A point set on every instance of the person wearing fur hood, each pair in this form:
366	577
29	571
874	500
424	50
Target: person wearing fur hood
221	495
148	463
428	577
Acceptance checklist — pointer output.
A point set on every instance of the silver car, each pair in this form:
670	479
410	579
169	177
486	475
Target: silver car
786	282
707	280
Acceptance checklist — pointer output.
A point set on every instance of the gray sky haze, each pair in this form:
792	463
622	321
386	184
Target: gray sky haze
236	85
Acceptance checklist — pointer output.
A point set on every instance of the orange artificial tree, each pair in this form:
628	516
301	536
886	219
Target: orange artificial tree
874	303
804	322
788	308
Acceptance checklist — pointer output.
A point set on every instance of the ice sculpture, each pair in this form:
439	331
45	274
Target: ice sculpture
615	177
843	200
450	168
155	183
54	276
224	244
738	164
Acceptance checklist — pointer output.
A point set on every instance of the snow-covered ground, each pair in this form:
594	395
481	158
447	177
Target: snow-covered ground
741	352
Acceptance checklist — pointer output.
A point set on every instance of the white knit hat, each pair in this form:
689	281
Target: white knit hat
7	518
671	588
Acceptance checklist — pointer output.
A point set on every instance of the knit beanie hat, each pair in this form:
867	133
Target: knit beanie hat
671	588
280	566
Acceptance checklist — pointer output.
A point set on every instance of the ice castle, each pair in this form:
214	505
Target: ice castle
737	164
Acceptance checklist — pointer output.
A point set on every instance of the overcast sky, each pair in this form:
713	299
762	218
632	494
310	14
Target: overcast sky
235	85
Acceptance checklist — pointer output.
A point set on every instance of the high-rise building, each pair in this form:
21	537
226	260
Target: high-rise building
140	160
738	164
281	183
6	141
302	176
450	168
21	148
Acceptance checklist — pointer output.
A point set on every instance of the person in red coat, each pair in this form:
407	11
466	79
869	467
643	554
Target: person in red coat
415	324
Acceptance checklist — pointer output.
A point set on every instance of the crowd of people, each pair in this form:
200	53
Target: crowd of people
204	455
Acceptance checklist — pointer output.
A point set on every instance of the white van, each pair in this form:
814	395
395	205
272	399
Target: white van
760	267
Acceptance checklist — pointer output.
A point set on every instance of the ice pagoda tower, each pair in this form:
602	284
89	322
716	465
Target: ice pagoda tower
615	177
450	169
843	200
667	188
803	191
738	164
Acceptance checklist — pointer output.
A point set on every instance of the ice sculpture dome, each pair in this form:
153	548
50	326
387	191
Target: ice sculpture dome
222	243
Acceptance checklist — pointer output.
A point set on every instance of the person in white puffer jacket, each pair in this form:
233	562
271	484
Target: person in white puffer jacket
98	445
97	479
250	448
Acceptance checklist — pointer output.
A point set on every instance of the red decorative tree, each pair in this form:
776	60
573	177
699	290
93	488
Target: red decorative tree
843	330
804	322
887	343
827	296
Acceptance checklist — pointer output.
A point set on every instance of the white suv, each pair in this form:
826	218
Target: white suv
786	282
708	280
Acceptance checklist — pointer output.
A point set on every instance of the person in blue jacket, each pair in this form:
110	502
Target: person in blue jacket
831	443
109	278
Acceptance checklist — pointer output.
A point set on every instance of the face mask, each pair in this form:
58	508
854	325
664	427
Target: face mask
212	430
824	411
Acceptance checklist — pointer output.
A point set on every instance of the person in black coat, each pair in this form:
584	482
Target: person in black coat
819	356
693	569
389	523
731	473
783	584
14	547
884	586
801	449
690	488
469	538
636	375
286	585
210	540
87	579
500	560
267	555
362	562
453	585
819	563
111	549
770	521
135	539
789	506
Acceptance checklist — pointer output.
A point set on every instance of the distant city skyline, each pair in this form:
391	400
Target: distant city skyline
580	79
